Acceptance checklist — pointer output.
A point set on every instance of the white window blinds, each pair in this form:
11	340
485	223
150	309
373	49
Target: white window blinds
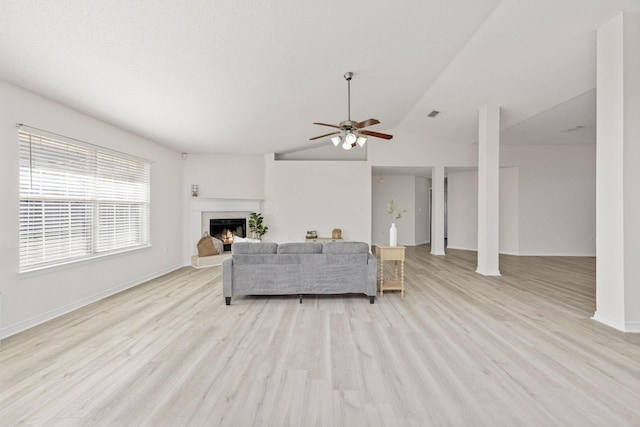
78	202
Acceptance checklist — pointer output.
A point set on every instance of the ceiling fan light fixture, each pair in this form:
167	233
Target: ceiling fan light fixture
336	141
361	140
350	138
346	145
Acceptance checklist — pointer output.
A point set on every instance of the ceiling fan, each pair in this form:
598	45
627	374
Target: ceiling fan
353	133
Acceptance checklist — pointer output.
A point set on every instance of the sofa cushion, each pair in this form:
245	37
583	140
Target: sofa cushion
300	248
254	248
345	248
346	259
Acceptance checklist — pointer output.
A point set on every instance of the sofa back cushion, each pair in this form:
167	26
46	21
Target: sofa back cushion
251	248
300	248
345	248
346	259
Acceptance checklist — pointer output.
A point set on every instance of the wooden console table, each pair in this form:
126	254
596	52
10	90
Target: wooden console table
322	239
390	253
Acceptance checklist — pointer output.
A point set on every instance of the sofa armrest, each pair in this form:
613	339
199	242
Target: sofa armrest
227	275
372	276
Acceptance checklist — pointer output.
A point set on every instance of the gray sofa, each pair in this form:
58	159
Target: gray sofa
299	268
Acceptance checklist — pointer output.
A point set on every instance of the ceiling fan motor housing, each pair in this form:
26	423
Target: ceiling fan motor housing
348	125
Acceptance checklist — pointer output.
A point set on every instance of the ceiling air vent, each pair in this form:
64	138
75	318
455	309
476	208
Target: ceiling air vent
433	114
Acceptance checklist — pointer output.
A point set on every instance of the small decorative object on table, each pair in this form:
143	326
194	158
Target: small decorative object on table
393	231
393	235
205	246
312	234
336	233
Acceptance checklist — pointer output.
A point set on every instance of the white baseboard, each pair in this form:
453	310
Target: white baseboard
509	253
605	320
461	248
10	330
555	254
488	272
632	327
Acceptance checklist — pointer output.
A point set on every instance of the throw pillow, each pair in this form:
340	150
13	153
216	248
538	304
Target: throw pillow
217	243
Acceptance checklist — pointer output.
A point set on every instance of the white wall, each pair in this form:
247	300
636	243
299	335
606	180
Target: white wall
462	210
547	201
423	211
556	198
509	211
225	176
321	196
32	298
402	190
409	149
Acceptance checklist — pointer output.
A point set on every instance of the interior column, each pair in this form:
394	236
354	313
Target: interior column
618	174
488	190
437	210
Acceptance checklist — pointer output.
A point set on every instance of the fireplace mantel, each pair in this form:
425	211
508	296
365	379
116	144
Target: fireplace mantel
202	204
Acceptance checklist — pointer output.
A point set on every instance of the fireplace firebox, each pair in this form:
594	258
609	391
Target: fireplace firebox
226	229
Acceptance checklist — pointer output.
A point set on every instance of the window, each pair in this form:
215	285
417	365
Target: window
78	201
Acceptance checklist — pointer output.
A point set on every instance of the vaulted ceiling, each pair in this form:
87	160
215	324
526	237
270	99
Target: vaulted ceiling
224	76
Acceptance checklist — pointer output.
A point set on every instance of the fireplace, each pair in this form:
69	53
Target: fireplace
227	229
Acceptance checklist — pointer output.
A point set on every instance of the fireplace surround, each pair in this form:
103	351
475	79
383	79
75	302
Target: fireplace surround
202	210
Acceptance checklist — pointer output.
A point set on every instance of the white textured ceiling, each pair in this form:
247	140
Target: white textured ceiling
251	76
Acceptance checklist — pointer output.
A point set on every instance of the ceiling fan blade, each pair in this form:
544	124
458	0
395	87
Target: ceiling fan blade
368	122
322	136
326	124
376	134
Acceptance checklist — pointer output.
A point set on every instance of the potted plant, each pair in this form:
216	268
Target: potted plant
393	209
258	229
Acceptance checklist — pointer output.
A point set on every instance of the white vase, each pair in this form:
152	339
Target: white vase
393	235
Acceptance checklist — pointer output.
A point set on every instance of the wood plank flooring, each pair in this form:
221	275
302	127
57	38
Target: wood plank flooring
460	349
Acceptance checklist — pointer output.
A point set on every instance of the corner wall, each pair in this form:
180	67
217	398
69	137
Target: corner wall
557	198
463	207
234	182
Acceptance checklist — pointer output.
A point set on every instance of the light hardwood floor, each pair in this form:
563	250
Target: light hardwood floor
460	350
